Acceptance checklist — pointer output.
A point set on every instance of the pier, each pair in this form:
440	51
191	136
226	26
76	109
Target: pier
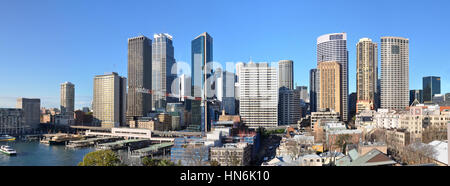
155	149
91	142
123	144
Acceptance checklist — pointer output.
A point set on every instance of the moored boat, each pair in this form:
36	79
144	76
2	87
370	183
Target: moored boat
7	138
7	150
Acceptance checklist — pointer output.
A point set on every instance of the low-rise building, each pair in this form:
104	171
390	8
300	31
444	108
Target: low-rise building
335	138
232	154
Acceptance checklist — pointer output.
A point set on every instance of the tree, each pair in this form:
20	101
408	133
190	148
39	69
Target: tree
342	140
101	158
146	161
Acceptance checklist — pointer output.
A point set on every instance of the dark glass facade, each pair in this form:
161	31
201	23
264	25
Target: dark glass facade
431	87
201	55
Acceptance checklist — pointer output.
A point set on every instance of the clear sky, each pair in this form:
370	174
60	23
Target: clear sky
44	43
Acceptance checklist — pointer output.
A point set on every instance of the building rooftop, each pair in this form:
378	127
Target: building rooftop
441	148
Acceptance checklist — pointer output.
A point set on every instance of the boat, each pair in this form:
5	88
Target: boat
7	150
7	138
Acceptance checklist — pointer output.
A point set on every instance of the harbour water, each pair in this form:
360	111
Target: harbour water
33	153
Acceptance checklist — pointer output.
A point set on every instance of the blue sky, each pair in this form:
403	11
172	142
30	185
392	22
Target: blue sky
44	43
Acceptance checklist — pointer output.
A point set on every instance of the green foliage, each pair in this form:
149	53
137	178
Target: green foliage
101	158
146	161
266	133
342	141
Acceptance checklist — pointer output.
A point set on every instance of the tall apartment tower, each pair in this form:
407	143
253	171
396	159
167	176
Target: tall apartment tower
201	55
330	89
333	47
366	74
286	74
67	99
109	101
431	87
258	105
139	77
162	77
394	72
31	108
313	89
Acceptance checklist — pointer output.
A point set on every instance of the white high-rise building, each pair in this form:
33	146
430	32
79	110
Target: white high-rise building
109	101
258	105
67	99
394	72
333	47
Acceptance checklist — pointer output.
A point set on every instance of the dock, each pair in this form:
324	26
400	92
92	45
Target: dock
122	144
155	149
91	142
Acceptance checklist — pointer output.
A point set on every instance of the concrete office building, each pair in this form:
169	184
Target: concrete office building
330	89
31	108
109	101
225	85
162	77
201	56
258	105
226	92
314	88
11	121
447	99
366	74
139	77
431	87
286	74
303	90
289	111
333	47
394	72
183	89
67	99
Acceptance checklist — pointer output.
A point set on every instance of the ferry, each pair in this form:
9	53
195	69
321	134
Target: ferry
7	150
7	138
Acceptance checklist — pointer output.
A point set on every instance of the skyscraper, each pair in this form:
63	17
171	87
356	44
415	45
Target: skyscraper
289	111
162	77
415	95
109	100
201	55
258	105
67	99
333	47
366	74
394	72
313	89
139	77
431	87
31	108
286	74
330	89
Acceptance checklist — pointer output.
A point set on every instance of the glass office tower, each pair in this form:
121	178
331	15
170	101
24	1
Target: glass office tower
201	55
431	87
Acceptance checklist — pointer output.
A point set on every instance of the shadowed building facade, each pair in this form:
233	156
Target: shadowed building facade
139	77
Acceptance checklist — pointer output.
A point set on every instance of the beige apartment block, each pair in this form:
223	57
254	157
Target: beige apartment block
330	89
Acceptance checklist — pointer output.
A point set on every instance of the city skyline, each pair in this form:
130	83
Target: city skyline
74	59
